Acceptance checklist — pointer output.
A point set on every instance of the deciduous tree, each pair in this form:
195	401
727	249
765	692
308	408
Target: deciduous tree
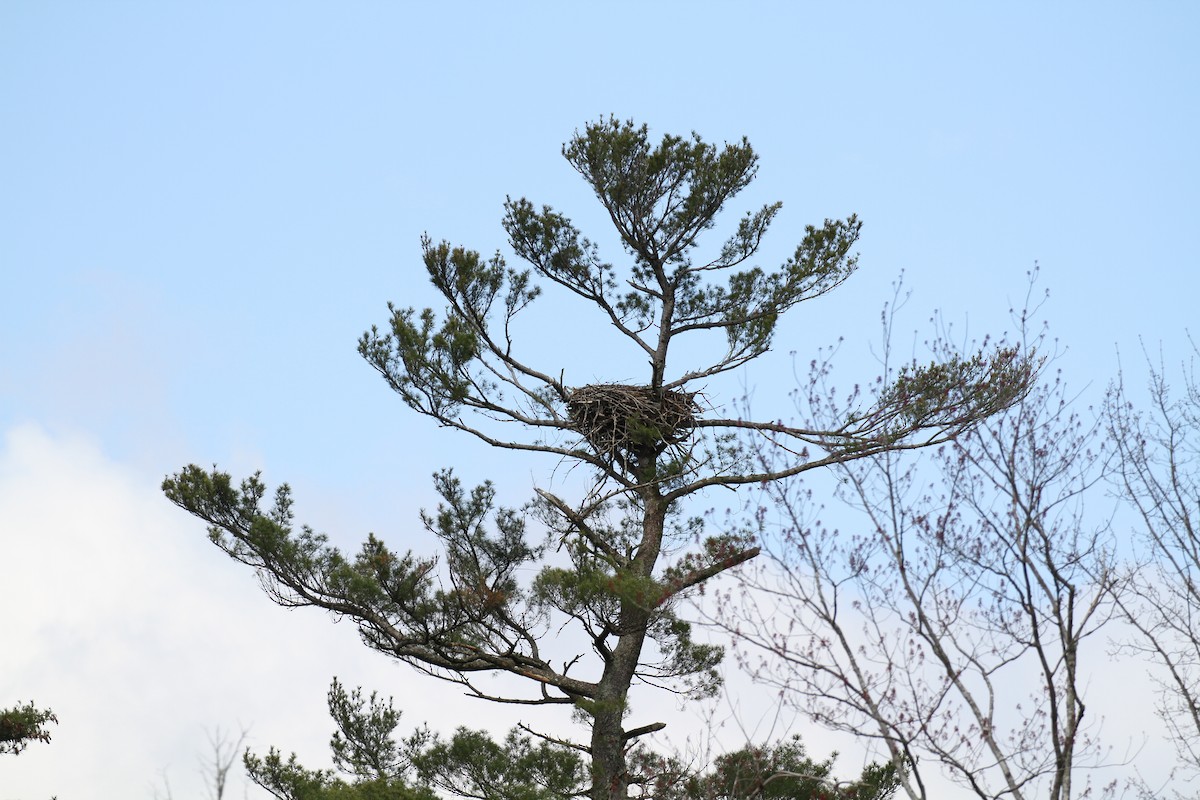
1158	473
951	585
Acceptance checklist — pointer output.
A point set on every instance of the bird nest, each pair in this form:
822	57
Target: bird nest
617	419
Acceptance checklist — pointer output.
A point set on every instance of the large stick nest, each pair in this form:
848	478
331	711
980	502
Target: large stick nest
617	419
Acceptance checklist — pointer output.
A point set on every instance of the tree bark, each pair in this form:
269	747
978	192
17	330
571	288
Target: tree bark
610	773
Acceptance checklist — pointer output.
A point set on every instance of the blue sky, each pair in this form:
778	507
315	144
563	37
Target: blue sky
202	206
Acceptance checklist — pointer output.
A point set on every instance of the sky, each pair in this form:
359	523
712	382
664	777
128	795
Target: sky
203	205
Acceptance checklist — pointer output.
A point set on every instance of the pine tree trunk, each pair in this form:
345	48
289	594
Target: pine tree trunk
610	777
610	774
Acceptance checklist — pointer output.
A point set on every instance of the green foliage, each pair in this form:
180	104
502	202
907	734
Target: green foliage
377	766
362	745
692	664
953	394
288	780
472	764
364	749
782	771
393	598
660	198
23	724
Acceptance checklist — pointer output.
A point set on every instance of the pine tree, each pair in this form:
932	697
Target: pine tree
647	447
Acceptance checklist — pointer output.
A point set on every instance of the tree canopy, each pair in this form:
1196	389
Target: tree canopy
647	446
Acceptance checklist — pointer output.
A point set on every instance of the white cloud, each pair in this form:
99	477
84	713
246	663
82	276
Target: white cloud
122	618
